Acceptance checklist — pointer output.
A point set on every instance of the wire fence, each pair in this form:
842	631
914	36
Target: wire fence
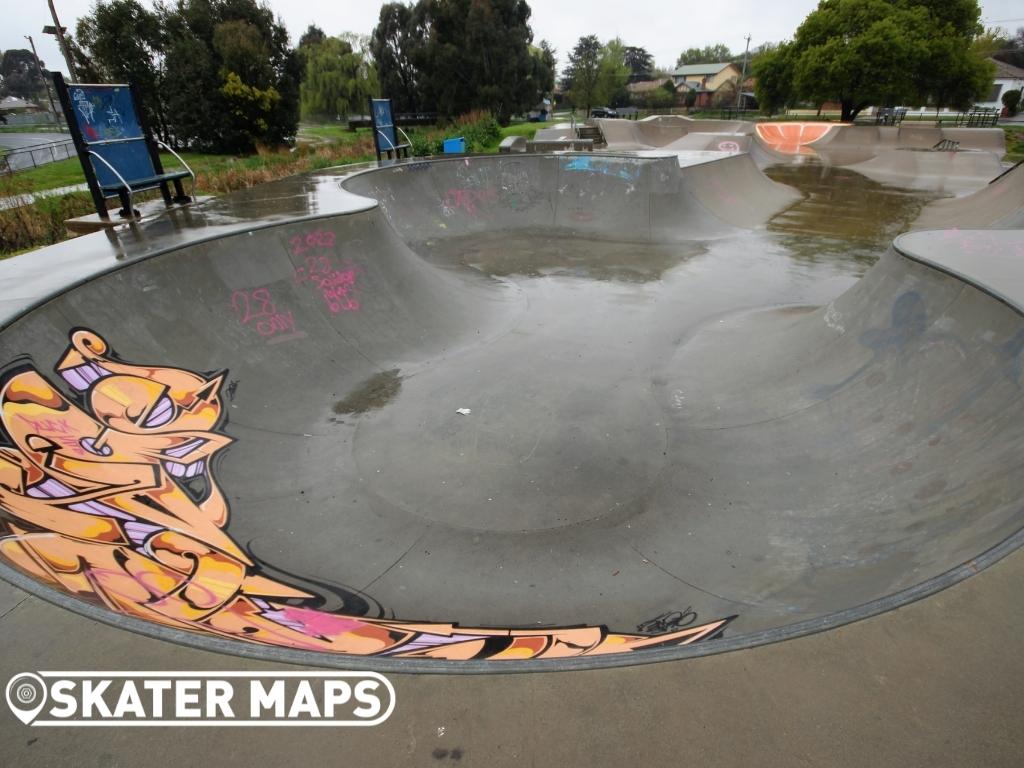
25	158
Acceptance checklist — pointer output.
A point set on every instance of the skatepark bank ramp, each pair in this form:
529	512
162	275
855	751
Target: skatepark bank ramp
526	413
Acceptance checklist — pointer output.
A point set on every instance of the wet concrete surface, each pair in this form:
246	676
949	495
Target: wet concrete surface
660	420
792	444
845	217
935	683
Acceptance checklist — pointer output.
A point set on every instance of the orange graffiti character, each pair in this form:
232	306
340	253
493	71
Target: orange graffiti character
96	502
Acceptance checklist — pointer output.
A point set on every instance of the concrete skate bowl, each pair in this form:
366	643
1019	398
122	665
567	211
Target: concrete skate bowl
544	412
912	156
946	160
676	133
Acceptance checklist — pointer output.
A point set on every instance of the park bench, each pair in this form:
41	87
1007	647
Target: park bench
119	155
385	132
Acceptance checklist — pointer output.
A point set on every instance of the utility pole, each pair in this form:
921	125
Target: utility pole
739	85
58	31
46	82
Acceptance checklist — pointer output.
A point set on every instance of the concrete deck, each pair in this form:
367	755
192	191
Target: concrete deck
867	485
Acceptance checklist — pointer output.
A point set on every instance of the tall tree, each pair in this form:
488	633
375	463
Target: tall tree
311	37
232	80
882	52
338	80
456	55
477	56
709	54
124	41
583	72
544	65
773	71
214	74
395	44
640	63
20	75
1011	49
613	74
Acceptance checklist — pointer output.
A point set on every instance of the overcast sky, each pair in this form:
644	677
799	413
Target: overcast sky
663	27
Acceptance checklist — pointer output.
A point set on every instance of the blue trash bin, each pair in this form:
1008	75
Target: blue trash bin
455	146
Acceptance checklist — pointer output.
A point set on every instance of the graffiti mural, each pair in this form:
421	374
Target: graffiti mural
108	494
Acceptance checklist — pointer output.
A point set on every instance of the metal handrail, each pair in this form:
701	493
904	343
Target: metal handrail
107	142
96	85
127	186
182	161
43	145
391	145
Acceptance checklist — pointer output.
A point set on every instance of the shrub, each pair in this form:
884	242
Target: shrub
1011	100
480	130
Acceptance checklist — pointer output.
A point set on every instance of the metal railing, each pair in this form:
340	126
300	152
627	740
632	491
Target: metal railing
405	118
979	117
26	158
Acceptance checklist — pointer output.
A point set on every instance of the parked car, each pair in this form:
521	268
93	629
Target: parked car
603	112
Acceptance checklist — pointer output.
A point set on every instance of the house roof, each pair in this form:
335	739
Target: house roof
12	102
701	69
1006	71
642	86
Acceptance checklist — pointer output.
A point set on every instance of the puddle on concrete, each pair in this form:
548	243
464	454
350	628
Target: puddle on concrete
376	392
540	253
844	215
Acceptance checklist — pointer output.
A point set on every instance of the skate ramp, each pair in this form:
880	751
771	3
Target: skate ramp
661	131
792	138
894	155
1000	204
532	412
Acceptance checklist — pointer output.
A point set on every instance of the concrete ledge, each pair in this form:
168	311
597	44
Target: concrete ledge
83	225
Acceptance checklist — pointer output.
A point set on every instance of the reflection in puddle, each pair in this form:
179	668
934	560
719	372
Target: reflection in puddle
540	253
844	216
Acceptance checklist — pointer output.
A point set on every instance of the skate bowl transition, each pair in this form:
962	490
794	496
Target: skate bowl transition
514	413
951	160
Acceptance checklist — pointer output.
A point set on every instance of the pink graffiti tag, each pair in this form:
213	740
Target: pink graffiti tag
57	430
302	244
256	309
468	199
336	286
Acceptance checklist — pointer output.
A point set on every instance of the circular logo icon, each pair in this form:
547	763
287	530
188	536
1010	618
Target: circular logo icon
26	695
728	146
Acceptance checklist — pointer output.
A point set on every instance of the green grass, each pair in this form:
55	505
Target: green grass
68	173
524	129
1014	143
336	133
63	173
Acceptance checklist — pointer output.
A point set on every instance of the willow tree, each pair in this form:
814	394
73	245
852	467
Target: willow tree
338	80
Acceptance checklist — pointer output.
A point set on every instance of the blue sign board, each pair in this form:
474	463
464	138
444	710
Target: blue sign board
104	112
